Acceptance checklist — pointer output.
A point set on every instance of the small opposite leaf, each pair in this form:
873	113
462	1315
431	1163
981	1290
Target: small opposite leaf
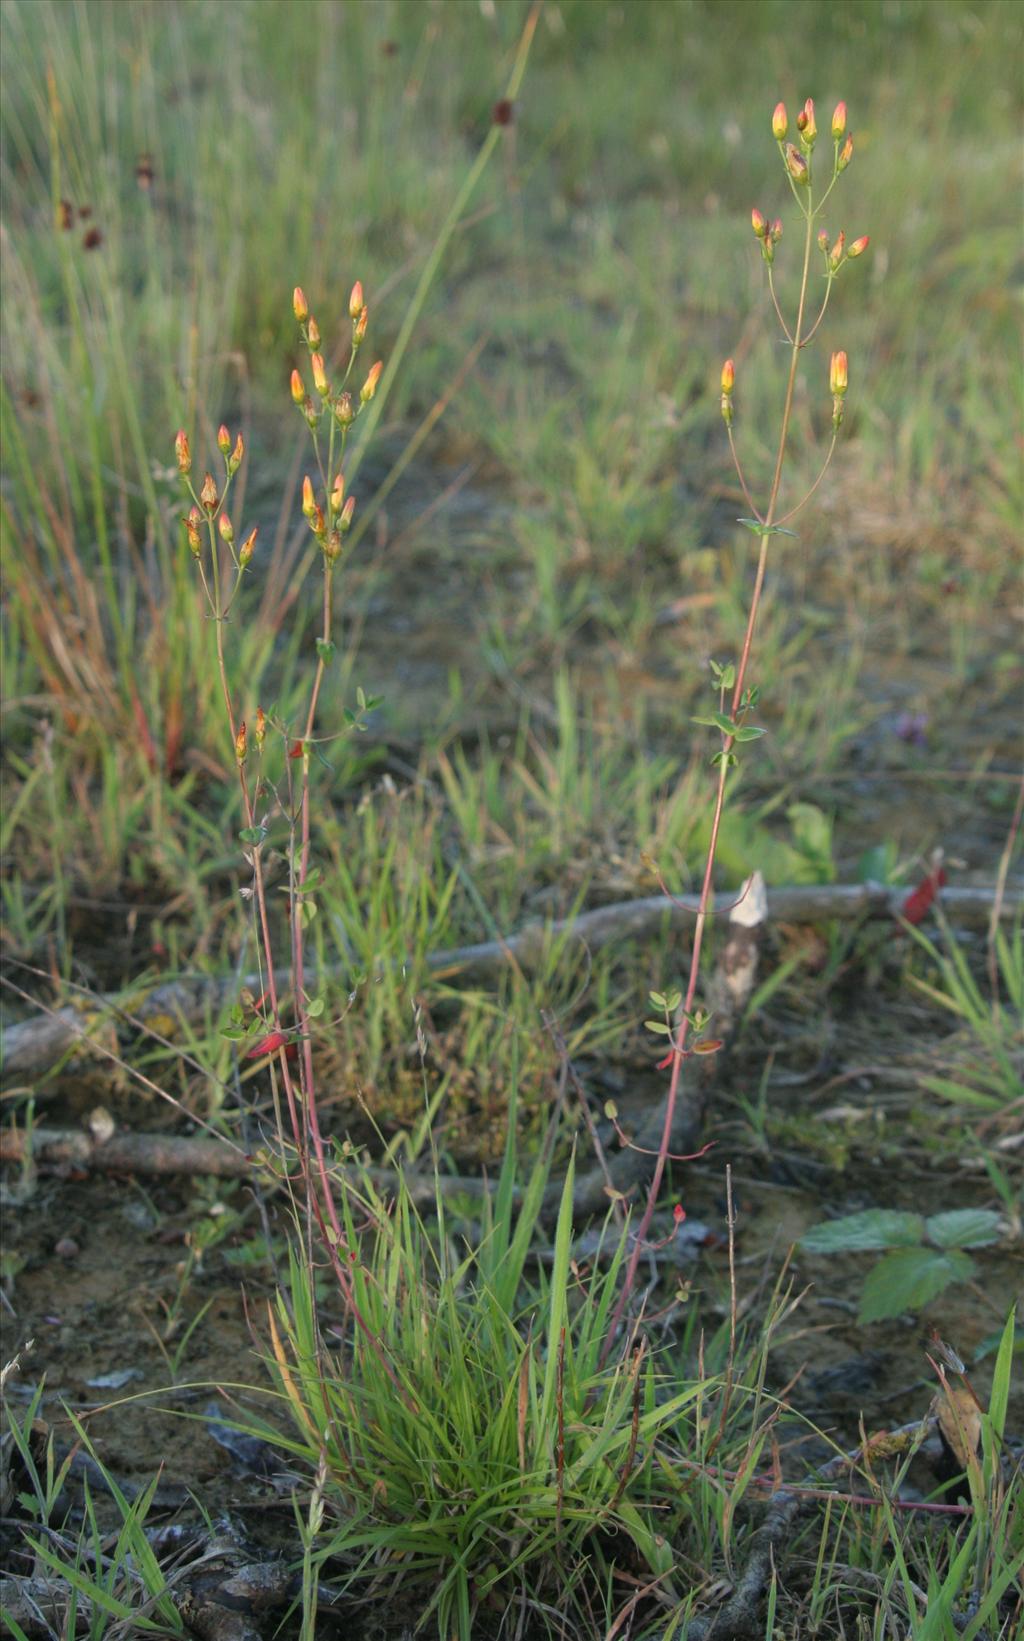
253	834
325	650
749	732
659	1026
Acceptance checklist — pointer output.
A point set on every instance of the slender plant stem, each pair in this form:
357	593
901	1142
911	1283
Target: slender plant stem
678	1050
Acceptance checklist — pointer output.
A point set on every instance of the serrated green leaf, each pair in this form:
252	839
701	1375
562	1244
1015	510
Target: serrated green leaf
963	1228
871	1230
908	1278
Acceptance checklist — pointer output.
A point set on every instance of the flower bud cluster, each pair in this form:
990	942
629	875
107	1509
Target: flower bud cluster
769	233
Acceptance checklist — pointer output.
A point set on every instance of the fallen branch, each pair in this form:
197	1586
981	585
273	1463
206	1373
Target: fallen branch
132	1153
30	1048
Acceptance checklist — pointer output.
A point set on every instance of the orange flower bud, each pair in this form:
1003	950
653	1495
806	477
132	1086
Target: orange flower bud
245	553
359	328
308	498
758	223
320	381
728	376
194	539
344	411
845	154
300	306
355	301
224	526
776	230
838	377
839	120
235	458
349	508
338	494
313	333
780	122
208	494
223	440
807	125
797	166
369	387
835	255
240	746
859	246
298	391
318	524
182	451
260	727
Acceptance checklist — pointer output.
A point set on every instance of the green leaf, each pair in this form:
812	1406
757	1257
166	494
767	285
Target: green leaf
748	732
718	720
325	650
963	1228
760	529
657	999
909	1278
307	912
857	1233
315	1007
659	1026
253	834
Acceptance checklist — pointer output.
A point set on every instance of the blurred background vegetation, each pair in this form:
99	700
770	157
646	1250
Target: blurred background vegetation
546	553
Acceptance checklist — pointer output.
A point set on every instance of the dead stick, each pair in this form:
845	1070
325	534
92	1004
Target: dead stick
133	1153
32	1047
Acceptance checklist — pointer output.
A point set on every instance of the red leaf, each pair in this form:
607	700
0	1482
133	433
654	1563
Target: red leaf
918	903
270	1045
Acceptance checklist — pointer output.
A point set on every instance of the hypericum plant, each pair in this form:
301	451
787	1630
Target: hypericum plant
737	698
222	556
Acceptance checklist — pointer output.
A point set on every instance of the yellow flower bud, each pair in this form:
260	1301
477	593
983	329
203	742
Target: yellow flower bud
780	122
320	381
300	306
240	746
838	376
235	458
839	121
355	301
183	452
308	498
297	389
227	534
369	387
223	440
245	553
859	246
